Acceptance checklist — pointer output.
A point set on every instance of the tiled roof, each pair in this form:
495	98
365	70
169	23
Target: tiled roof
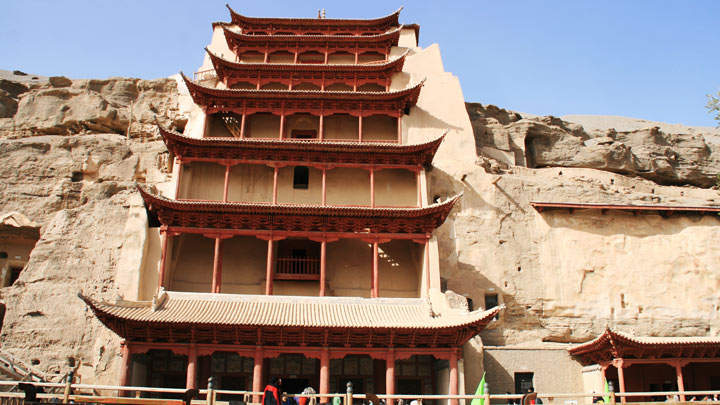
293	209
614	344
387	38
309	67
662	209
413	91
295	150
279	22
311	312
616	337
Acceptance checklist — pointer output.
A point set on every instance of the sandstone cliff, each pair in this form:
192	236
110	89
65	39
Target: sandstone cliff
665	154
69	166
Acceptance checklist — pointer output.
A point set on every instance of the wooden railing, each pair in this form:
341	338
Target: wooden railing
293	268
85	393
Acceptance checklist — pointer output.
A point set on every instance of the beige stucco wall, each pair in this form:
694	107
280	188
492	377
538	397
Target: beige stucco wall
395	187
553	367
289	195
250	183
244	265
350	262
340	127
202	181
192	263
347	186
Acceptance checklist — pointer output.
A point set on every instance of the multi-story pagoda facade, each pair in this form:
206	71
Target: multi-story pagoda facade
298	236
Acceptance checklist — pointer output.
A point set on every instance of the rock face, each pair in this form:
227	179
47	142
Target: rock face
563	277
80	190
681	157
66	107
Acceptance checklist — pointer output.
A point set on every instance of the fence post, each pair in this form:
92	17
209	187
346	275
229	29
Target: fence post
487	393
68	384
211	391
611	389
349	395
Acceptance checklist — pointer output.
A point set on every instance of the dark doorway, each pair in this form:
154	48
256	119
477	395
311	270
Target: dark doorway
409	386
294	385
523	382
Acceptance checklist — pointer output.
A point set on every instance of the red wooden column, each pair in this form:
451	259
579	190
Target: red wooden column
126	364
163	256
275	184
323	271
453	389
257	373
265	59
399	128
360	131
226	185
324	186
179	179
324	373
269	269
242	123
427	265
619	364
191	381
418	185
321	130
374	293
372	187
679	364
390	375
282	125
217	266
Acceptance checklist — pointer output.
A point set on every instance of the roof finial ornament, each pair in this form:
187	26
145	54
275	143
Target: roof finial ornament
323	14
319	13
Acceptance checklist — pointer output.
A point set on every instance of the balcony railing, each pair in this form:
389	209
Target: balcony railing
294	268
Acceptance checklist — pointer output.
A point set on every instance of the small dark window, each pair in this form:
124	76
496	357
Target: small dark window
471	306
301	176
303	134
3	255
491	301
443	284
14	274
523	382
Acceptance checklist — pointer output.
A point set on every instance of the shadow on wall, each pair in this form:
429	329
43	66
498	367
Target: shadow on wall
625	223
470	281
498	378
425	119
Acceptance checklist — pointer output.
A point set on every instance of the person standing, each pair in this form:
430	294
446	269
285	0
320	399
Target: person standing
271	393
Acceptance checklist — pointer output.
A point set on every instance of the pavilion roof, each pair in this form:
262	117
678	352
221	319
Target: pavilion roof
380	41
352	102
617	345
305	218
225	67
300	151
663	210
239	319
381	23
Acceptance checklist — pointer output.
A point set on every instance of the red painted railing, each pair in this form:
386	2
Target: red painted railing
293	268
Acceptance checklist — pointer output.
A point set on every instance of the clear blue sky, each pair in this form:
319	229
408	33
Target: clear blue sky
651	59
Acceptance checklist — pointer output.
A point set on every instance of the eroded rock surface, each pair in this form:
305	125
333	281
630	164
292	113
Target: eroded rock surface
672	155
62	106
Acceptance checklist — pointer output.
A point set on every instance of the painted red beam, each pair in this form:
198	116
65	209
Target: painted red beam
287	102
293	73
380	42
304	218
651	209
291	151
315	24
